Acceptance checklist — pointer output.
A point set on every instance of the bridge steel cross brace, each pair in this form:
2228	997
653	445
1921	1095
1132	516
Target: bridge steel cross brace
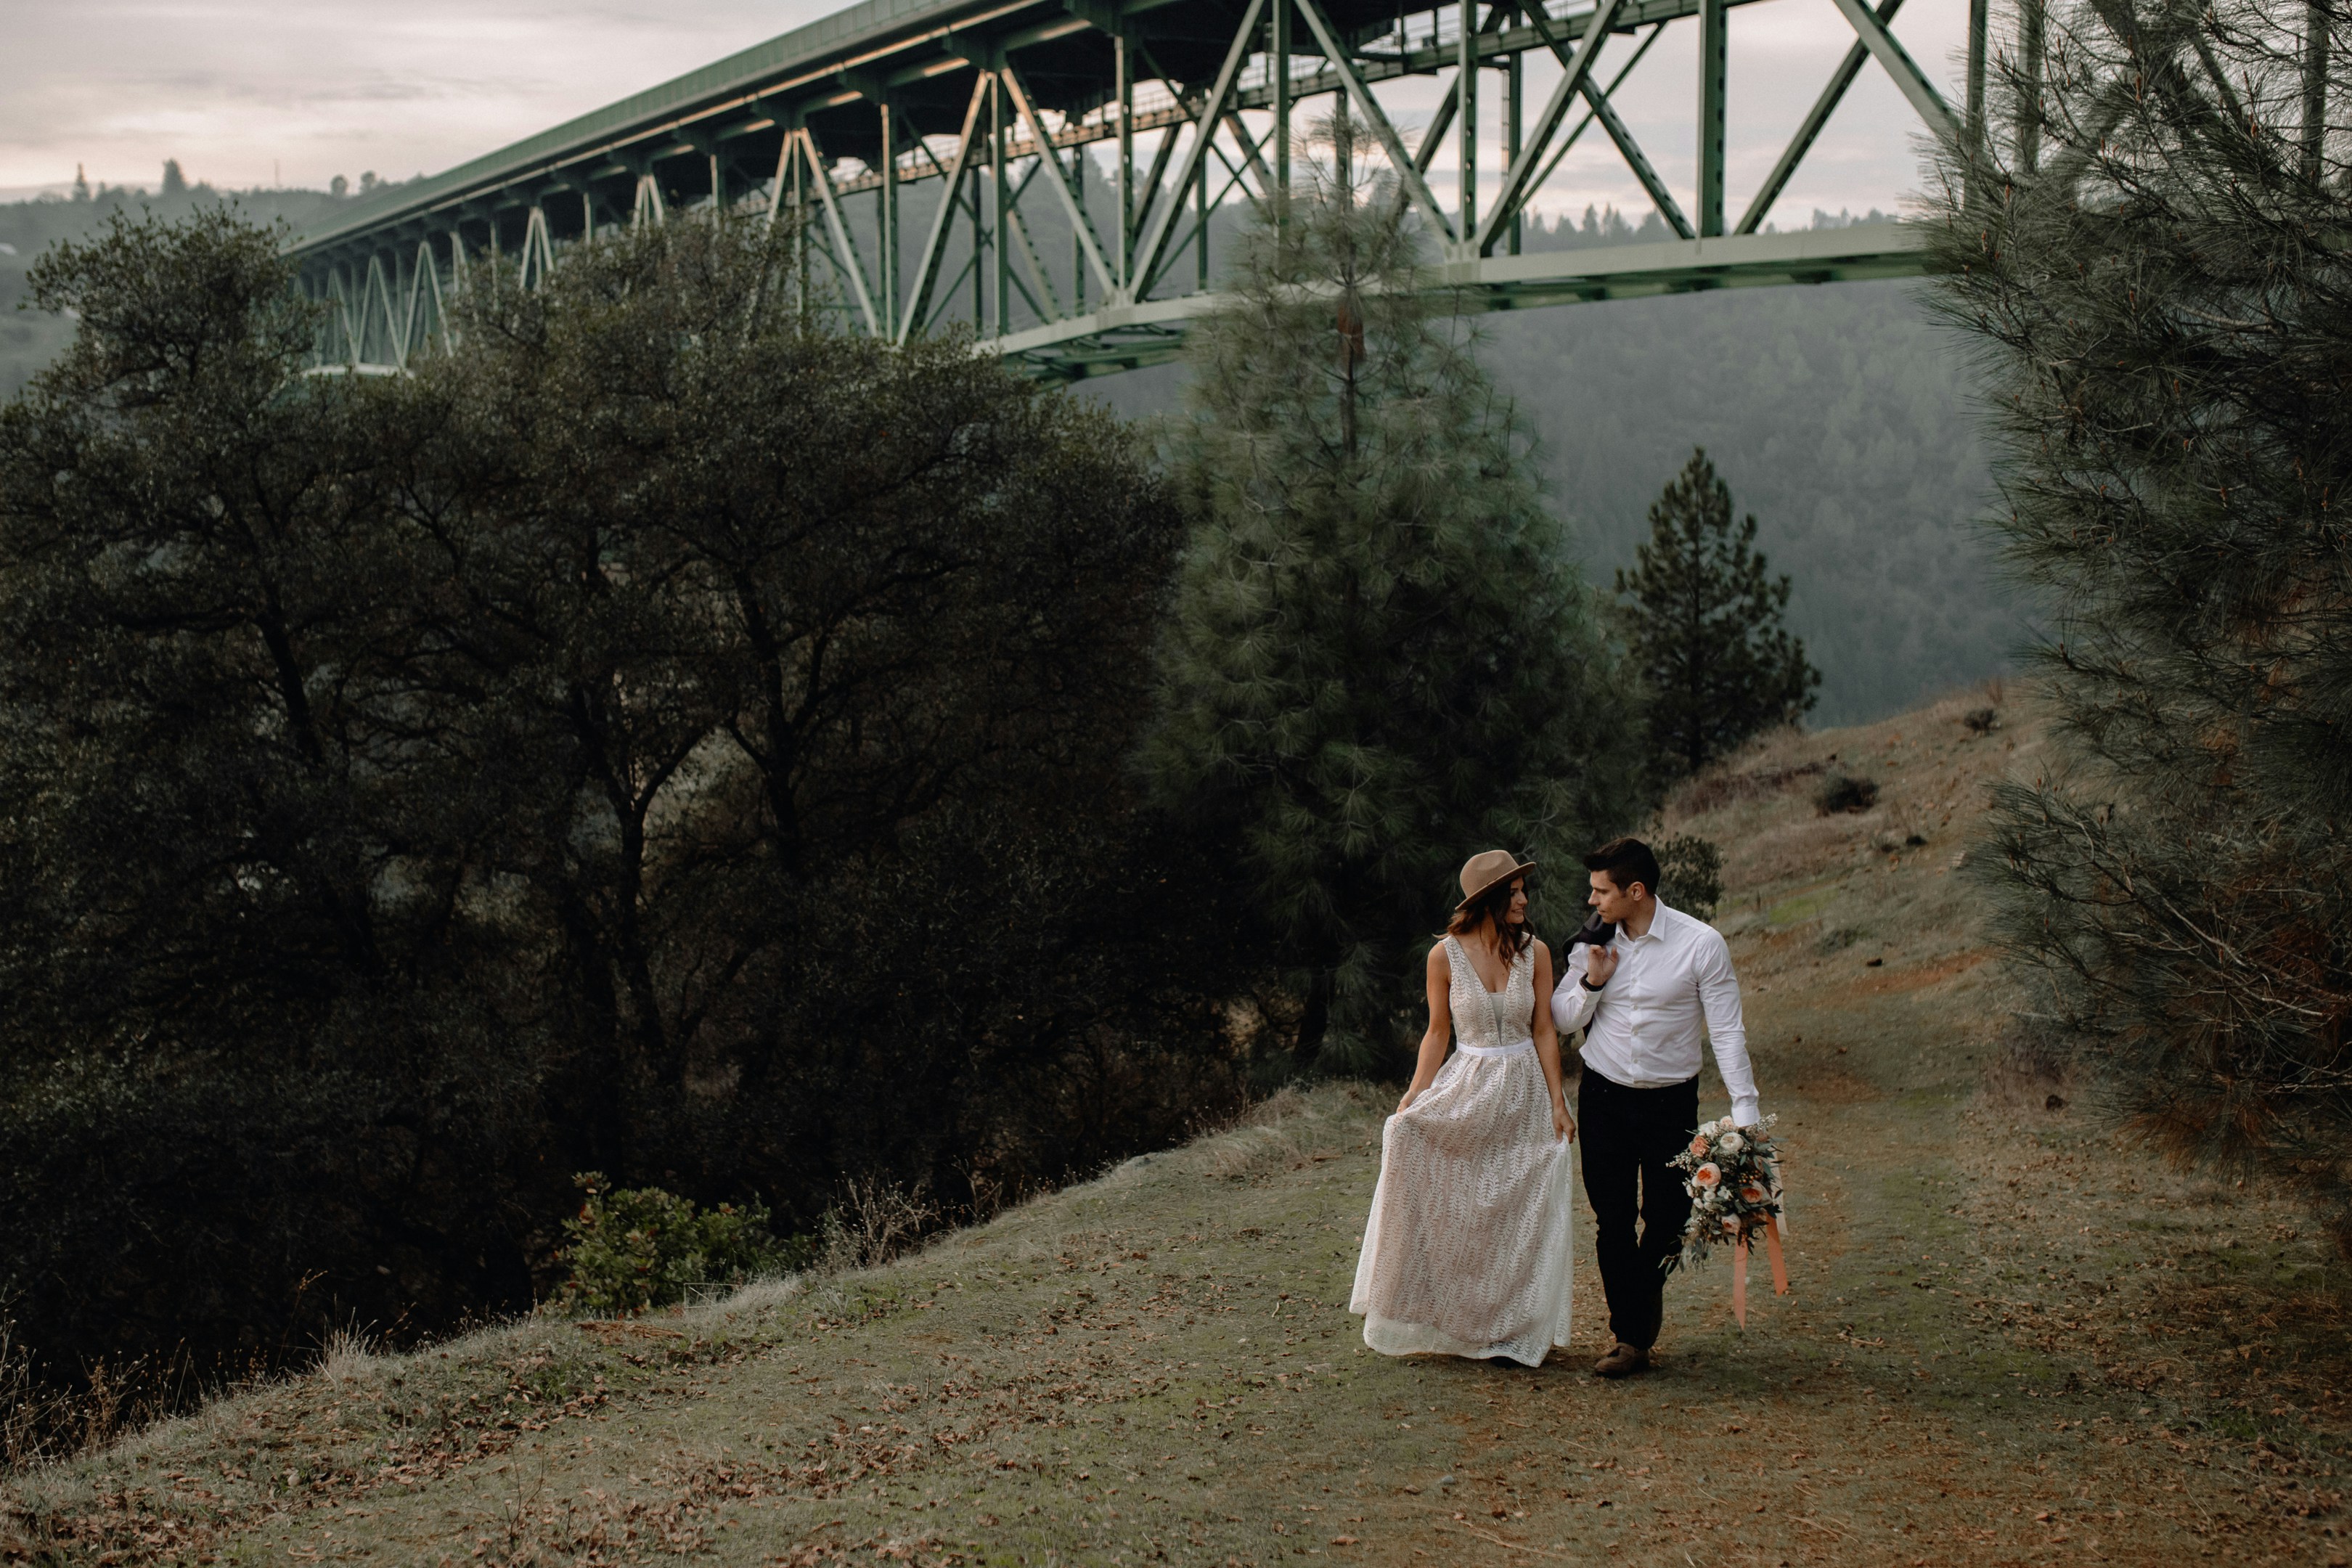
1194	168
1578	69
1599	108
1081	161
1809	128
1360	100
917	314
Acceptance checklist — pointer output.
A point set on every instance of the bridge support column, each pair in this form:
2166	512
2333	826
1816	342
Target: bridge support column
886	196
1001	255
1278	64
1465	114
1123	89
1513	88
1714	66
1979	25
2032	37
2315	87
1200	230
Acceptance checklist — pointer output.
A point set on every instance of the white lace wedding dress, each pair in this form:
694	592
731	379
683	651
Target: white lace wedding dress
1469	1251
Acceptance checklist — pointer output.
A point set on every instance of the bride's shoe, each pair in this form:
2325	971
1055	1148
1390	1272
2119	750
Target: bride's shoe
1623	1360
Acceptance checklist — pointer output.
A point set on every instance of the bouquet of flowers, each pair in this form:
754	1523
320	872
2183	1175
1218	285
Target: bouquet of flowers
1734	1179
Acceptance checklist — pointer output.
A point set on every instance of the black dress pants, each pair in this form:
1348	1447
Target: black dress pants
1628	1135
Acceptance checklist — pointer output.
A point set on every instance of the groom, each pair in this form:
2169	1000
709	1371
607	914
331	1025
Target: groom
1645	990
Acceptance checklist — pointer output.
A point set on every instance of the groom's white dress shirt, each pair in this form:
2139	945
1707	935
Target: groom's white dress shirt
1645	1021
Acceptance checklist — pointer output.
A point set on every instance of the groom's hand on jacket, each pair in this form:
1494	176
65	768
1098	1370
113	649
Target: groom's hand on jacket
1594	932
1599	964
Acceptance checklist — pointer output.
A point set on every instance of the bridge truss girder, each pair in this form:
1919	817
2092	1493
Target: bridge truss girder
993	115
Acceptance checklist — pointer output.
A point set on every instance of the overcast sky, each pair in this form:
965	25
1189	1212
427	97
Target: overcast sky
255	93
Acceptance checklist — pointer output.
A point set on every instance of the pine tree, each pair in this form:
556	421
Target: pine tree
1381	659
175	184
2150	263
1705	628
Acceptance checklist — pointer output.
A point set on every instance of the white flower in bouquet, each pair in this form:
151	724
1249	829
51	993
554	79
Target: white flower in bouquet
1732	1143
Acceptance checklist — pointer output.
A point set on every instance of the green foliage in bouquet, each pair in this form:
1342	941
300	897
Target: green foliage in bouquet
637	1247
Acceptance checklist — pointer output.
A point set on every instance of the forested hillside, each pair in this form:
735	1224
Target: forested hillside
30	338
1840	416
312	1013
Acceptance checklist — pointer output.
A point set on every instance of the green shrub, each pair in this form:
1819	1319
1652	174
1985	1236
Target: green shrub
634	1248
1690	872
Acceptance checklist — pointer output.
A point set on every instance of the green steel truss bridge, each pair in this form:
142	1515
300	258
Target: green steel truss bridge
946	160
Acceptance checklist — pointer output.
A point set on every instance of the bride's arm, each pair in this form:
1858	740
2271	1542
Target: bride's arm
1563	1125
1440	1033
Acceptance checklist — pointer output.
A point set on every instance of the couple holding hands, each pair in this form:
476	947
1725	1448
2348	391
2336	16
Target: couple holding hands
1469	1250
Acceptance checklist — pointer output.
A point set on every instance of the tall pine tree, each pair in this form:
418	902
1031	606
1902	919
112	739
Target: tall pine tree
1705	628
2150	262
1381	659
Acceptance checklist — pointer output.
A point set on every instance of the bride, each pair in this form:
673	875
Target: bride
1468	1250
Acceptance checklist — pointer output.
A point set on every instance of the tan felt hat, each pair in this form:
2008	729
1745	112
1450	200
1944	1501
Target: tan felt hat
1488	867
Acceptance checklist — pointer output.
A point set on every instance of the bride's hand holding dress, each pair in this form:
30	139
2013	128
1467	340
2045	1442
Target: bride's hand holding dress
1468	1249
1439	985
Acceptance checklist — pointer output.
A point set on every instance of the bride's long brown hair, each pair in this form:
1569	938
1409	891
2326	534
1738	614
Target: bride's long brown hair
1494	904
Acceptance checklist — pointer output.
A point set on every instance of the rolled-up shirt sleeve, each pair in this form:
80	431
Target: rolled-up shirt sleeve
1719	996
1572	1005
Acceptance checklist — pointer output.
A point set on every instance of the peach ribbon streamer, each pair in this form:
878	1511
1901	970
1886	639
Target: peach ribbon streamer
1739	1269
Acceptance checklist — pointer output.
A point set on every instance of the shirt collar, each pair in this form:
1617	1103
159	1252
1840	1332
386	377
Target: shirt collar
1658	925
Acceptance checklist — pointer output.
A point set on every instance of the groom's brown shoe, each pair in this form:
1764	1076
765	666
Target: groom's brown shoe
1623	1360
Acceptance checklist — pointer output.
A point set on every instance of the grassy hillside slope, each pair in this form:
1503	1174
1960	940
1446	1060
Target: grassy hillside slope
2011	1339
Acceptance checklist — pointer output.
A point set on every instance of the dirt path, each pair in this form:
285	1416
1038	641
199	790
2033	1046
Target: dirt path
2008	1341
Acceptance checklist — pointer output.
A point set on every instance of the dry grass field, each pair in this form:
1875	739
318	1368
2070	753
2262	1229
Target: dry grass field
2013	1339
